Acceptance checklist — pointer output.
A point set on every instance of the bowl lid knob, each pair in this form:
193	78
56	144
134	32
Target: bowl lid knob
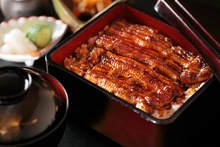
14	84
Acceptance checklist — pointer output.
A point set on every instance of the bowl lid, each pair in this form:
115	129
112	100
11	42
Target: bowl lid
28	104
14	84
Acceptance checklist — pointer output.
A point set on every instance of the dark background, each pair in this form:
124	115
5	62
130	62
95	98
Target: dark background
76	134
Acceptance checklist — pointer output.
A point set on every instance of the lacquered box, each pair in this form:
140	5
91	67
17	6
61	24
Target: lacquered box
111	115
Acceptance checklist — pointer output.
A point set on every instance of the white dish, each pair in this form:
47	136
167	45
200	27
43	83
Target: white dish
23	23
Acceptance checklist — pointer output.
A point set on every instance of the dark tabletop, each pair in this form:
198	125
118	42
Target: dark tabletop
76	134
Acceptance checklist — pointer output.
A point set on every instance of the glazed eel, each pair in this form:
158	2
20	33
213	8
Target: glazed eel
138	64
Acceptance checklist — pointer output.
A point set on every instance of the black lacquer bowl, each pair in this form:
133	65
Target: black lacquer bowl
33	107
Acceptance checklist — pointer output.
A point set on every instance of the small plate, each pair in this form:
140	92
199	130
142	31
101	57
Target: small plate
59	28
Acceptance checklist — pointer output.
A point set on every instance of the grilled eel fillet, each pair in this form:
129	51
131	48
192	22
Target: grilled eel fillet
138	64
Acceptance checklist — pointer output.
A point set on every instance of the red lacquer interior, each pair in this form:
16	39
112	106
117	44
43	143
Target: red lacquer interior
137	131
120	11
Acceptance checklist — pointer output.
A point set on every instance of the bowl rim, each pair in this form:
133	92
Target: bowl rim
40	52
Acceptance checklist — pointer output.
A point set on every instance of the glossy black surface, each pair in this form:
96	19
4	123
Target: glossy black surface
30	103
77	134
14	85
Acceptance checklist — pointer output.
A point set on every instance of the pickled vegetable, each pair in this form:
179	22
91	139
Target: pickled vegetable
40	34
